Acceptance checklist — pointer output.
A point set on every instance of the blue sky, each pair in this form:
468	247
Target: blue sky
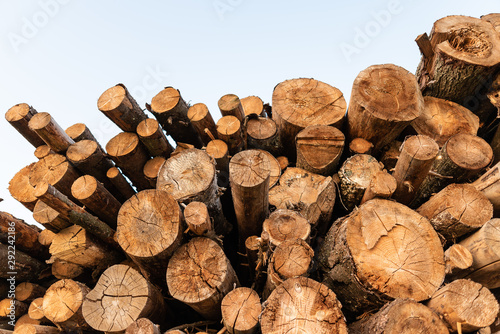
60	55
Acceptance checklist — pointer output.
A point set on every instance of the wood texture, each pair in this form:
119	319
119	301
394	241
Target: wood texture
229	130
283	225
360	146
382	185
21	189
230	104
240	310
152	136
46	127
457	258
262	133
80	131
143	326
35	310
26	267
49	218
120	183
42	151
200	117
27	292
151	169
19	116
197	218
252	105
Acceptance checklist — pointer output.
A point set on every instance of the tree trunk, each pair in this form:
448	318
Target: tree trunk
262	133
51	133
302	305
45	237
283	225
190	176
298	103
27	292
355	176
415	161
252	248
384	100
118	180
151	169
382	185
230	105
466	303
198	220
442	119
382	251
37	329
253	105
148	233
21	189
80	131
240	310
35	310
171	111
319	148
200	275
42	151
200	117
360	146
120	107
229	130
98	199
403	316
64	270
11	306
19	116
49	218
457	210
129	154
249	173
461	158
152	136
25	267
143	326
457	258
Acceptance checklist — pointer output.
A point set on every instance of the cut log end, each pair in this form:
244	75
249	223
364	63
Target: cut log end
360	146
285	225
230	104
252	105
240	310
197	218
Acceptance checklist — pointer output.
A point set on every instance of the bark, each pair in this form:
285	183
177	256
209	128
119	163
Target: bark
49	218
80	131
382	185
218	150
46	127
19	116
37	329
253	105
151	169
27	292
152	136
229	130
230	104
286	225
262	133
66	270
21	189
240	310
25	267
202	120
119	182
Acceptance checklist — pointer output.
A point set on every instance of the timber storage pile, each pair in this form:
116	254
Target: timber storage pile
309	215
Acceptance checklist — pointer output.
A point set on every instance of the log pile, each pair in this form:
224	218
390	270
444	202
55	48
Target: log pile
301	217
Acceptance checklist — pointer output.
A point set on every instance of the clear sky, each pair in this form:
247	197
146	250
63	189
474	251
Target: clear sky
60	55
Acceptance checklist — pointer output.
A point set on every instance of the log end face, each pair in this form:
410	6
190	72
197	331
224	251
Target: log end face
76	130
39	121
112	98
165	100
81	150
148	127
469	152
63	299
197	112
122	144
240	310
249	169
217	149
252	105
421	147
228	102
17	112
84	187
228	125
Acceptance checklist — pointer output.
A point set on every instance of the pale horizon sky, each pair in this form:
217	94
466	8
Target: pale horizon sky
60	55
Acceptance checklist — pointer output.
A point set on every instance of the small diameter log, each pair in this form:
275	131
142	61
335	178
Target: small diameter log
199	274
129	154
55	170
197	219
190	176
118	180
355	176
200	117
302	305
148	233
63	270
45	237
283	161
171	111
230	105
457	258
465	304
98	199
292	258
382	185
403	316
382	251
283	225
27	292
262	133
415	161
12	307
143	326
253	105
27	267
80	131
249	173
51	133
219	151
298	103
154	139
35	310
384	100
360	146
319	148
462	157
21	189
120	297
49	218
42	151
62	304
442	119
151	169
25	320
457	210
240	310
229	130
36	329
252	247
19	116
76	245
120	107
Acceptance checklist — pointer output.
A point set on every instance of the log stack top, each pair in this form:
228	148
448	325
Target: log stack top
165	100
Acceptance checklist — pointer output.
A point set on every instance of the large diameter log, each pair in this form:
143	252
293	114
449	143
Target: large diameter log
42	151
382	251
36	329
49	218
253	105
262	133
21	189
129	154
249	173
51	132
118	180
19	116
465	304
154	139
457	258
462	157
457	210
151	169
382	185
384	100
442	119
120	107
143	326
149	233
120	297
27	292
199	274
283	225
171	111
12	307
302	305
202	120
230	105
62	304
98	199
319	148
190	176
298	103
402	316
24	268
355	176
80	131
229	130
415	161
240	310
